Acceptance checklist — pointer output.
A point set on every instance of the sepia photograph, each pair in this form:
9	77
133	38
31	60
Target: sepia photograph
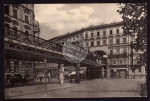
75	50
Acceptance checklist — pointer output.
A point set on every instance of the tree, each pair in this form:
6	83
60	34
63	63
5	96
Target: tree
134	16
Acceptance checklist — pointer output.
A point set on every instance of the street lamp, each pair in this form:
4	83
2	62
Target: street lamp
106	56
45	61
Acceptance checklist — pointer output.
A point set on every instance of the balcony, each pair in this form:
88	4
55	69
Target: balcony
118	66
123	55
36	29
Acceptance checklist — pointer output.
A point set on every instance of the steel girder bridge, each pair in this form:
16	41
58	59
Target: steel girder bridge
22	46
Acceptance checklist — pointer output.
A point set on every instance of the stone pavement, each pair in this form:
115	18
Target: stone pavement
17	91
90	88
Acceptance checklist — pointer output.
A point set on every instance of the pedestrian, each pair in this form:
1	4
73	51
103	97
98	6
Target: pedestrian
24	79
49	76
115	75
71	77
40	78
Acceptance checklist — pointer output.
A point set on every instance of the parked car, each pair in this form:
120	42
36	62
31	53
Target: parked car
7	77
72	75
17	78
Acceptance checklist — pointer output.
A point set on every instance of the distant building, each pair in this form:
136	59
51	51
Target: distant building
108	40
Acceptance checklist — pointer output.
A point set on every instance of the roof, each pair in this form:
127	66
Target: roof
87	28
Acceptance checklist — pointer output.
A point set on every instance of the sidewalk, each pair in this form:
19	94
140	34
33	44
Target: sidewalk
111	87
17	91
36	82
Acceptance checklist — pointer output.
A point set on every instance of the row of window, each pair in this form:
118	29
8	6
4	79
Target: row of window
118	51
104	33
104	42
15	28
15	13
118	61
74	38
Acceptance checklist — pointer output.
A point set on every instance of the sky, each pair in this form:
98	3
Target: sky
59	19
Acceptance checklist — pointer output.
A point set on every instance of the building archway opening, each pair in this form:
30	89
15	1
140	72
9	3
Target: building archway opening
101	70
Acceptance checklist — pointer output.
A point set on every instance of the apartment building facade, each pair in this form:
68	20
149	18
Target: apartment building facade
109	40
20	18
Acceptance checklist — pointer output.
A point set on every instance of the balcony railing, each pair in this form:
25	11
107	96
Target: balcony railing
118	55
118	66
31	39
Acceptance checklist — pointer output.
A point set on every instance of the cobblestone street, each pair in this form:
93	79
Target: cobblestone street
94	88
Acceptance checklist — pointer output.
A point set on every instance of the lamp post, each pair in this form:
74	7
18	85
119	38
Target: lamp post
45	61
105	56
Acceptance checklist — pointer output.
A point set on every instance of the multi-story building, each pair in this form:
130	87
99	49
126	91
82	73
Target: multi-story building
108	40
20	18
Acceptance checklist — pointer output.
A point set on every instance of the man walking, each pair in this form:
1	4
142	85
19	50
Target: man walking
24	79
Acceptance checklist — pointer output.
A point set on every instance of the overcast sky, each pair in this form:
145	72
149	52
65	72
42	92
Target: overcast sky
58	19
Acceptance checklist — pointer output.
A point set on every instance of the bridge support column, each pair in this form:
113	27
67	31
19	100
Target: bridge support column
102	72
19	66
108	72
143	71
61	73
12	66
87	72
77	73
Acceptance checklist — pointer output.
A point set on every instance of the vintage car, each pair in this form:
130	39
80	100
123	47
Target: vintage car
72	76
16	78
